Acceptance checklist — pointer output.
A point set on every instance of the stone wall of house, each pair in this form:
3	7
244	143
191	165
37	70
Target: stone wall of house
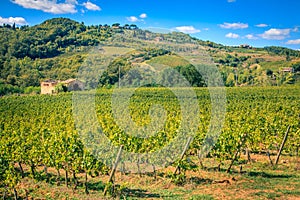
48	87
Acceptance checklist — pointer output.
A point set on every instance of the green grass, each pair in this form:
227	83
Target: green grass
267	195
249	51
201	197
275	65
168	60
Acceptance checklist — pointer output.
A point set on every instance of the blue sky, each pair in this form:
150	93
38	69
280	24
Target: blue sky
230	22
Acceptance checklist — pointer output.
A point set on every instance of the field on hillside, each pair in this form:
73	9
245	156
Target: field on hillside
47	143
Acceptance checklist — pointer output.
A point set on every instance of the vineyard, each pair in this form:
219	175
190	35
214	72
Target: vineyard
40	139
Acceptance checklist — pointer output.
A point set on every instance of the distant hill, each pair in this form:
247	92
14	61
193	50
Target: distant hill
56	48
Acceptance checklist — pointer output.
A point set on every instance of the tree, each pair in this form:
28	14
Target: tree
60	88
269	72
296	67
290	79
287	58
116	25
133	26
230	81
12	79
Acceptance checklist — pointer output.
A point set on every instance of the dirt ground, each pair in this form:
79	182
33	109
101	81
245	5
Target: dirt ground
257	180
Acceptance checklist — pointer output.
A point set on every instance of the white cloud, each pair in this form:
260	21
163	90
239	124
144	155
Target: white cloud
49	6
276	34
132	19
143	15
293	41
72	1
261	25
234	25
90	6
231	1
251	37
135	19
232	35
296	29
187	29
206	29
12	20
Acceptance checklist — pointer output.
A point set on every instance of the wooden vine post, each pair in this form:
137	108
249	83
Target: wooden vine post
183	153
282	145
112	173
269	157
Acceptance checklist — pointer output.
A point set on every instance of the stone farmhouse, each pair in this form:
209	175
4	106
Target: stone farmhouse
288	69
48	86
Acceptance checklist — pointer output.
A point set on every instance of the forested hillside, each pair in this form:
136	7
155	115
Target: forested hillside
56	48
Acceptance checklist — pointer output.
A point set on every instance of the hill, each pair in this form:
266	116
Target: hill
56	48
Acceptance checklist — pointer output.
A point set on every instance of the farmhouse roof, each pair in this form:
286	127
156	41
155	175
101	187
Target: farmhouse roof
69	80
288	69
